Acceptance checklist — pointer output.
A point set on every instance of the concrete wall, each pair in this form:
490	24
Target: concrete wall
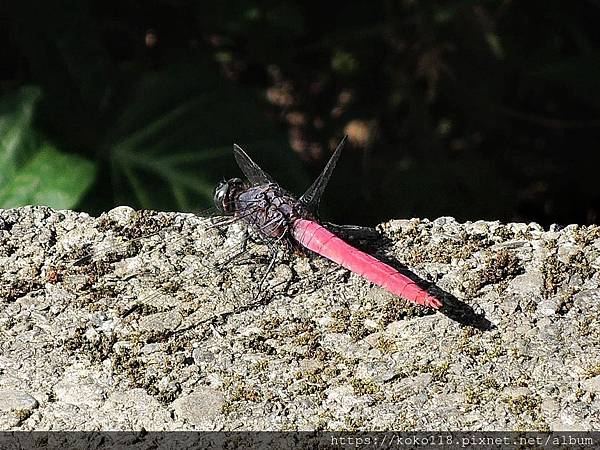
138	320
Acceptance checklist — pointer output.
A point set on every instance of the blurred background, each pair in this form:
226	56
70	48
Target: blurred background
474	109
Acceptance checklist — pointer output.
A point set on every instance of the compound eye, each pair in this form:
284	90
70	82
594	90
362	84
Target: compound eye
221	195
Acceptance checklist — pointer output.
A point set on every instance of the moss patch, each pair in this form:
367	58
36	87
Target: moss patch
498	267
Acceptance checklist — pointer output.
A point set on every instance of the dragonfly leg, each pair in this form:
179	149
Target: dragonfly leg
274	251
217	222
264	277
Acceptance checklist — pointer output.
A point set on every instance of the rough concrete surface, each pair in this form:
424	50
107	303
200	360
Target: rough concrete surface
138	320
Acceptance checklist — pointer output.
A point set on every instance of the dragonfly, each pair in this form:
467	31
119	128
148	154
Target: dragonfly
279	217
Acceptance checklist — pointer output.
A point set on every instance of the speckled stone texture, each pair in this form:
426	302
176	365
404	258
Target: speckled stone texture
144	320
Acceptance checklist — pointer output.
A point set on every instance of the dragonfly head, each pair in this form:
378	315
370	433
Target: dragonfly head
225	194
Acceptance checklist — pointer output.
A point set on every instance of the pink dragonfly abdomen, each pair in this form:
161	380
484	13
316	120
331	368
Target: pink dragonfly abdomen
322	241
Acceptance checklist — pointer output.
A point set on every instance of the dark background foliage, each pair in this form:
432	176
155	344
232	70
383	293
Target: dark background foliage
475	109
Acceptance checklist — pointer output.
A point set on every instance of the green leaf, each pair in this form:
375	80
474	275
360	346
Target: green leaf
173	139
50	178
495	44
344	62
18	141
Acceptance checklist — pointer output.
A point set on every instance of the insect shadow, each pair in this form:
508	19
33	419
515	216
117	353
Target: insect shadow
370	240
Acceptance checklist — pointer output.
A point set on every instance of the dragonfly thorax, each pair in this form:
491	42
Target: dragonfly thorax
269	209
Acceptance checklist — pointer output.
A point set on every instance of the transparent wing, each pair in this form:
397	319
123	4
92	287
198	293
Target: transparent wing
254	173
312	197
